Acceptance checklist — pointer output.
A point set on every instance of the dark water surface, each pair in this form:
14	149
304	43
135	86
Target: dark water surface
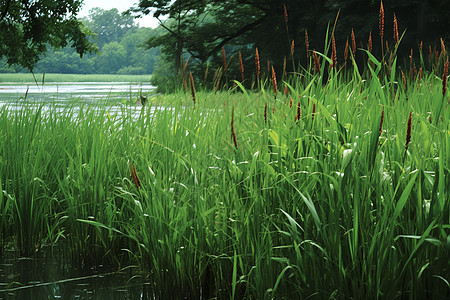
50	275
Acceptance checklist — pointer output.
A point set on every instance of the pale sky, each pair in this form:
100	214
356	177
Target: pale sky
121	5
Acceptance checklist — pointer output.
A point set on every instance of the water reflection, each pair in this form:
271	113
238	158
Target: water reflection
71	90
50	276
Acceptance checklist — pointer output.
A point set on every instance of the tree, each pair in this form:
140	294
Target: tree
199	29
28	27
108	25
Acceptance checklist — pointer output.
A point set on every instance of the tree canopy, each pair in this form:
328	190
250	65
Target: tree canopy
28	27
120	49
200	29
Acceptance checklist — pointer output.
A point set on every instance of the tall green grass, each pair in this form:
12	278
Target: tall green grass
313	200
324	207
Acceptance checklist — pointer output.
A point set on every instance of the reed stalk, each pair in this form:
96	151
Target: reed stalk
274	83
233	133
346	52
353	44
298	116
408	132
241	66
396	39
444	78
258	67
191	79
381	26
307	44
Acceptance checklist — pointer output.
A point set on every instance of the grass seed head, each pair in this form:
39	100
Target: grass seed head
307	43
333	53
353	43
286	19
191	79
134	176
370	42
258	67
299	112
395	30
233	133
420	78
316	61
444	78
292	48
224	59
346	52
408	132
265	114
241	66
274	83
313	112
381	20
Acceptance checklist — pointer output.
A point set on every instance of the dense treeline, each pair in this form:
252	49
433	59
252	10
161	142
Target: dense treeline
120	51
200	29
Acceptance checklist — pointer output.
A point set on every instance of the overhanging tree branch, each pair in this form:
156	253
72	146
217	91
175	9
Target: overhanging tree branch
240	32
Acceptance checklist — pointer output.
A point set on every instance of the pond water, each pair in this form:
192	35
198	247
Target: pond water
50	276
64	91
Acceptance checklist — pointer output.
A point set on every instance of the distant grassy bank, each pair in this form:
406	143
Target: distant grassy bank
55	77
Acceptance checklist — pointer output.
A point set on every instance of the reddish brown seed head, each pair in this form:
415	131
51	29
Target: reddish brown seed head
420	77
292	47
265	114
442	47
191	79
444	78
299	112
285	16
307	43
370	42
381	121
314	111
333	53
381	20
408	132
241	66
316	61
353	43
233	133
346	52
134	176
395	30
258	67
404	80
274	83
431	53
224	59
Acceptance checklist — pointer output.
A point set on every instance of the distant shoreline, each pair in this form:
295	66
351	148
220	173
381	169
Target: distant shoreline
55	77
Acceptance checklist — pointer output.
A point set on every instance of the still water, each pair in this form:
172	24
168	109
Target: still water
49	275
69	91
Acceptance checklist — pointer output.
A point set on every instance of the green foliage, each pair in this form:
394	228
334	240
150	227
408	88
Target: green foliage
120	44
27	28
